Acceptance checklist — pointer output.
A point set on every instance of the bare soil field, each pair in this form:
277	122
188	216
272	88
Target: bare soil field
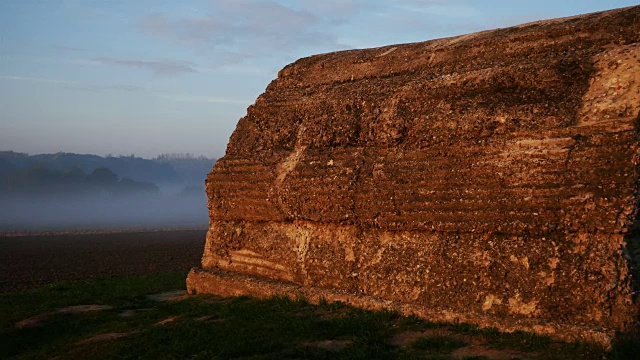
151	316
35	260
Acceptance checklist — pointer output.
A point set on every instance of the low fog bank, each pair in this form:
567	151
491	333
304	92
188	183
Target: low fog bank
66	192
67	212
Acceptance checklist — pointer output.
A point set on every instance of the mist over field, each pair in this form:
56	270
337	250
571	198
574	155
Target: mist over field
98	212
66	192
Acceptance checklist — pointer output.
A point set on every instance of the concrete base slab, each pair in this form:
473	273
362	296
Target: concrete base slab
224	283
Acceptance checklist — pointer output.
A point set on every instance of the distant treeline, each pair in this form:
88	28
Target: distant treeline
79	173
187	166
39	180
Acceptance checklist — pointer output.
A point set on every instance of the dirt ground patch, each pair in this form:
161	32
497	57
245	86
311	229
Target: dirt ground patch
493	354
104	337
330	345
76	309
169	296
406	338
28	262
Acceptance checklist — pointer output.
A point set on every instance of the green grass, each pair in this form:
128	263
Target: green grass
210	327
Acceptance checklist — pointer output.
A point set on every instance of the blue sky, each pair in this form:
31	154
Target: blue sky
147	77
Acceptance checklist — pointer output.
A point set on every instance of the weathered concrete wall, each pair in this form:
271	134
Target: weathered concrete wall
489	178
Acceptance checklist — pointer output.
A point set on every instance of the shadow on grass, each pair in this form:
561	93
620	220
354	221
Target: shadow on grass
205	327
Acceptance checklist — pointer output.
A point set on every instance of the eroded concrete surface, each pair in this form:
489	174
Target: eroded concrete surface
489	178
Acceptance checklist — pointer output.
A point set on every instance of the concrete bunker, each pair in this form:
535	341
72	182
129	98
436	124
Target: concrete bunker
490	178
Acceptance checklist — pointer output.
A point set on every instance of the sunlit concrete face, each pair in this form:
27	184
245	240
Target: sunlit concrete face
488	178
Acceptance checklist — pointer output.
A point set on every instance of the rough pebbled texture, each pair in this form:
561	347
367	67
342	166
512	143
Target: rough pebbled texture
492	175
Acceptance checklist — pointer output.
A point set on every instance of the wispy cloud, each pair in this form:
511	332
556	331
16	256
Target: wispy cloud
158	67
80	86
100	87
75	85
38	80
260	27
